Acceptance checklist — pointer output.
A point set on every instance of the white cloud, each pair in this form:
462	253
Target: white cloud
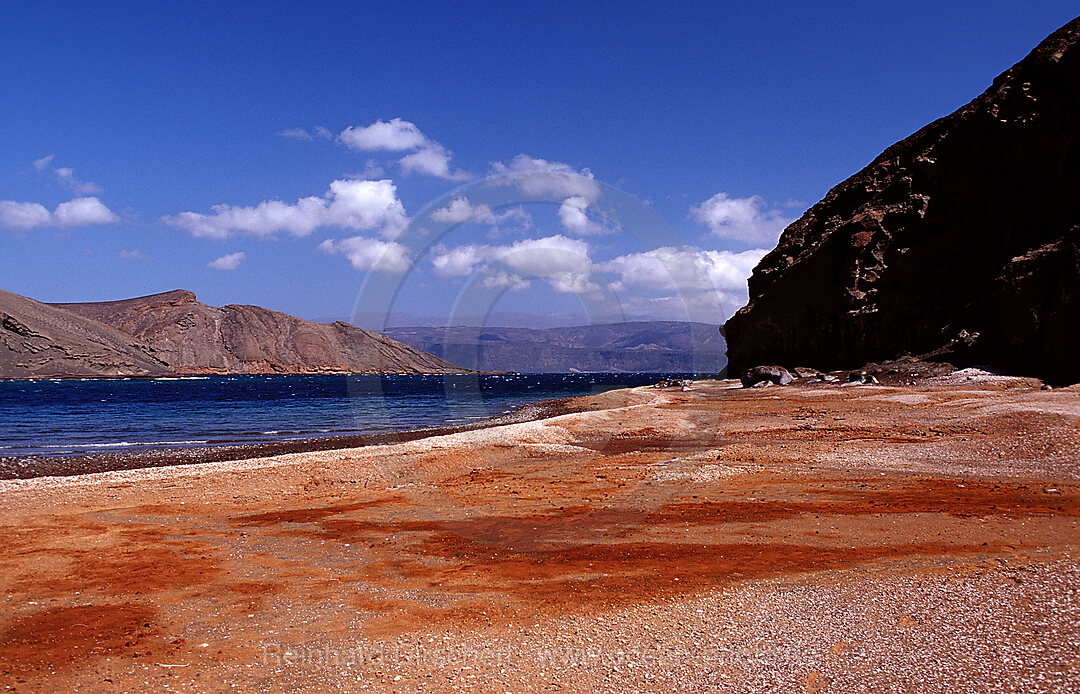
741	219
23	215
296	134
460	261
395	135
86	211
574	219
227	262
460	210
355	204
304	134
511	214
682	283
131	255
542	178
83	212
685	269
667	282
562	261
433	160
66	176
364	205
505	279
370	254
546	257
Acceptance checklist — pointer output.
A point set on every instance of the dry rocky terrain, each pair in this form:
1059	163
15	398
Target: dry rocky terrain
172	334
813	537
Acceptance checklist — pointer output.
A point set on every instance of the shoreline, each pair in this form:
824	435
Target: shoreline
32	467
684	538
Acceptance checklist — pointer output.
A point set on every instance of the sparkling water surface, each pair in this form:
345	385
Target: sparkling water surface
74	417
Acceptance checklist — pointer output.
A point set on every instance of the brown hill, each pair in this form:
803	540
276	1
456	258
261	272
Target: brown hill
192	337
37	339
961	241
172	333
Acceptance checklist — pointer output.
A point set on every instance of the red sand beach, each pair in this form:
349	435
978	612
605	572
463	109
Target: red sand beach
800	538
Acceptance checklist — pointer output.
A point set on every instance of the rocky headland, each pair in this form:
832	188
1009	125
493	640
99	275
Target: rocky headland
959	243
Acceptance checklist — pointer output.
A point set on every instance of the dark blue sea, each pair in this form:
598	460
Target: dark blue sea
77	417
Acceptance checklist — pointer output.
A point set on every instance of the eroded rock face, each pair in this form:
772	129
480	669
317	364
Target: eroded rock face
37	339
959	242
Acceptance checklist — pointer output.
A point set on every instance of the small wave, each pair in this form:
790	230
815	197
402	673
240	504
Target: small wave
126	444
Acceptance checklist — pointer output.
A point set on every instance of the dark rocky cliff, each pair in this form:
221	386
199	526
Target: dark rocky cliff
961	242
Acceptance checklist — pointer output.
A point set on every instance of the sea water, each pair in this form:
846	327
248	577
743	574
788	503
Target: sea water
75	417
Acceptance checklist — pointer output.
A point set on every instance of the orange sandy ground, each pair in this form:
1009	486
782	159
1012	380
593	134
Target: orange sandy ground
260	575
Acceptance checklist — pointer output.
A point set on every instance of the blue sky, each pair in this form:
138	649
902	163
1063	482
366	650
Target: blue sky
285	154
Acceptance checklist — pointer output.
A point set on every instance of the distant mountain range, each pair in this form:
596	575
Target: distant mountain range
652	346
172	333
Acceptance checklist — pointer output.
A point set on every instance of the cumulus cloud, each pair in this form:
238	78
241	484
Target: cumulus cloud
670	281
23	215
542	178
547	257
83	212
227	262
398	135
574	219
664	282
685	269
497	279
741	219
360	205
43	163
460	210
562	261
433	161
87	211
395	135
369	254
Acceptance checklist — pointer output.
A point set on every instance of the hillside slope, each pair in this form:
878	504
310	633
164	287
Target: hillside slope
37	339
192	337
